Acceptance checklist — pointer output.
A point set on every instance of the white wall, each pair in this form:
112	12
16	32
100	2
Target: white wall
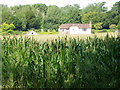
76	30
63	31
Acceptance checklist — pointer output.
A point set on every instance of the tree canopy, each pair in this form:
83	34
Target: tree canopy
41	16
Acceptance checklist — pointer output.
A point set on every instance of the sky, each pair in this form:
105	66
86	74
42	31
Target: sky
59	3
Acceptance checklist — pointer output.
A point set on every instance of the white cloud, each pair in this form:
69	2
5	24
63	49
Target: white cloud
59	3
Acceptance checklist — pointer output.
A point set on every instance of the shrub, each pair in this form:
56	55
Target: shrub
112	26
98	26
48	32
7	27
0	31
104	30
10	31
118	25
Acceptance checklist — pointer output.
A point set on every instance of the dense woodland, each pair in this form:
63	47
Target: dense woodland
43	17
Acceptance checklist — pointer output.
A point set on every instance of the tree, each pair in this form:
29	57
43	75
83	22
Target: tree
6	14
40	16
116	7
110	18
0	14
52	18
31	20
118	26
98	26
95	7
5	26
76	6
92	16
40	8
17	22
71	14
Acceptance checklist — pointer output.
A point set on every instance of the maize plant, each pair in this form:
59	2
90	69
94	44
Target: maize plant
61	63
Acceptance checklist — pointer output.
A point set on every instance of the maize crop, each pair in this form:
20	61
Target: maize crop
61	63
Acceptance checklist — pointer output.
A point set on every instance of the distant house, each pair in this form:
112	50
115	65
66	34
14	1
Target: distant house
31	33
75	28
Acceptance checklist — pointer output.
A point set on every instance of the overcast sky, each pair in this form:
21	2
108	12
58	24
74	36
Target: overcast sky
60	3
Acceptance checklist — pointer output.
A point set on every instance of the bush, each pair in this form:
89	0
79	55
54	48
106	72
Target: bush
103	30
10	31
4	33
93	31
112	26
98	26
0	31
17	32
43	32
7	27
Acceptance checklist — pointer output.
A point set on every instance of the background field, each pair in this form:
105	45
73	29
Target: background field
42	37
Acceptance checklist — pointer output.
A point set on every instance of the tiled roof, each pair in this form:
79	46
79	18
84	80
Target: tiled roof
67	26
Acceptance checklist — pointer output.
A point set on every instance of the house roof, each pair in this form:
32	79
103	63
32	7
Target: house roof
67	26
31	33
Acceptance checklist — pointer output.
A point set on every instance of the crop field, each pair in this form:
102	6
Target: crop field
42	37
65	62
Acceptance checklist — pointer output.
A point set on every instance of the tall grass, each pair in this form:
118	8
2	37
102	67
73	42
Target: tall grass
61	63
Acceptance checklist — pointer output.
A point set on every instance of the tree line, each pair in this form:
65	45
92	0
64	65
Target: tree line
43	17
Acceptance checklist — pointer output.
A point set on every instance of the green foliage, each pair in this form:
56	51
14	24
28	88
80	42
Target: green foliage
116	7
31	20
98	26
41	16
62	63
6	27
6	14
110	18
12	26
40	8
52	17
86	18
112	26
71	14
0	31
52	32
118	25
95	17
10	31
103	30
95	7
17	32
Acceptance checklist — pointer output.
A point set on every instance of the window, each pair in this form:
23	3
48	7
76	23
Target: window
84	29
